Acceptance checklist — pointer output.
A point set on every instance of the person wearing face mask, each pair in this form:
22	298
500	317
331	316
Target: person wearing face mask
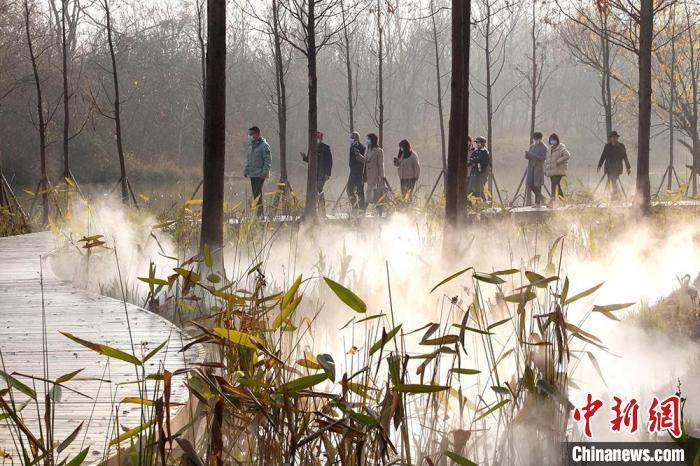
374	171
478	165
325	166
409	169
356	185
534	177
556	165
612	158
257	167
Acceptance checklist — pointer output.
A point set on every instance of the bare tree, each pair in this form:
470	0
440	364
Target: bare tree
115	113
459	112
44	185
313	32
679	88
636	36
66	24
212	232
438	81
596	52
494	28
347	54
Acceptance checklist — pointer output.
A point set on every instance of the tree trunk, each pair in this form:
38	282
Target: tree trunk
117	107
672	100
533	78
66	96
348	69
489	93
312	173
438	79
202	60
214	164
459	114
380	83
43	185
646	33
281	90
605	83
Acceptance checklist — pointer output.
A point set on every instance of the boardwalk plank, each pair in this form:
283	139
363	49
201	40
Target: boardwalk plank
89	316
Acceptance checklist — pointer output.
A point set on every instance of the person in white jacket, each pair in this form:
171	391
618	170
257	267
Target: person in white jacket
409	169
556	165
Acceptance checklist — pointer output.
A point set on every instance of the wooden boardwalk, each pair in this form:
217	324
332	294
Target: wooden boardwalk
86	315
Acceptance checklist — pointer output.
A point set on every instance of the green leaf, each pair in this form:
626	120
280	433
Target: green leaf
79	458
376	316
346	296
291	292
460	371
472	329
383	341
66	443
104	350
459	459
16	384
506	272
500	390
451	277
213	278
583	294
188	275
131	432
495	407
304	382
69	376
420	388
208	258
154	281
564	291
154	351
523	296
488	278
612	307
500	322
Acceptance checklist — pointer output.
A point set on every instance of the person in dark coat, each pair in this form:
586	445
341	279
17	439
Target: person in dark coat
612	158
478	165
356	184
325	165
534	178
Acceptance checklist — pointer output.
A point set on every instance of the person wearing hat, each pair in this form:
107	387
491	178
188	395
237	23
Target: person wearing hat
534	176
614	154
478	165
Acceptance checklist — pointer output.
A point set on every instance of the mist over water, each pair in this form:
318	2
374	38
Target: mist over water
638	262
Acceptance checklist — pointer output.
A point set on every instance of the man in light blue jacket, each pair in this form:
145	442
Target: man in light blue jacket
257	166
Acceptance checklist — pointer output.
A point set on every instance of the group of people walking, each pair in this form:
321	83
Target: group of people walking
366	184
545	161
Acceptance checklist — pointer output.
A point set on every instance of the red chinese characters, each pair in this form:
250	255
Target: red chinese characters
627	415
665	415
592	407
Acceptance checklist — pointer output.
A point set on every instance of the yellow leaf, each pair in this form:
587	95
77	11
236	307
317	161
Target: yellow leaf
239	338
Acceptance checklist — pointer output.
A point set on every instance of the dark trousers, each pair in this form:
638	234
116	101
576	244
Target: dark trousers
356	191
538	195
476	184
407	186
557	190
256	184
